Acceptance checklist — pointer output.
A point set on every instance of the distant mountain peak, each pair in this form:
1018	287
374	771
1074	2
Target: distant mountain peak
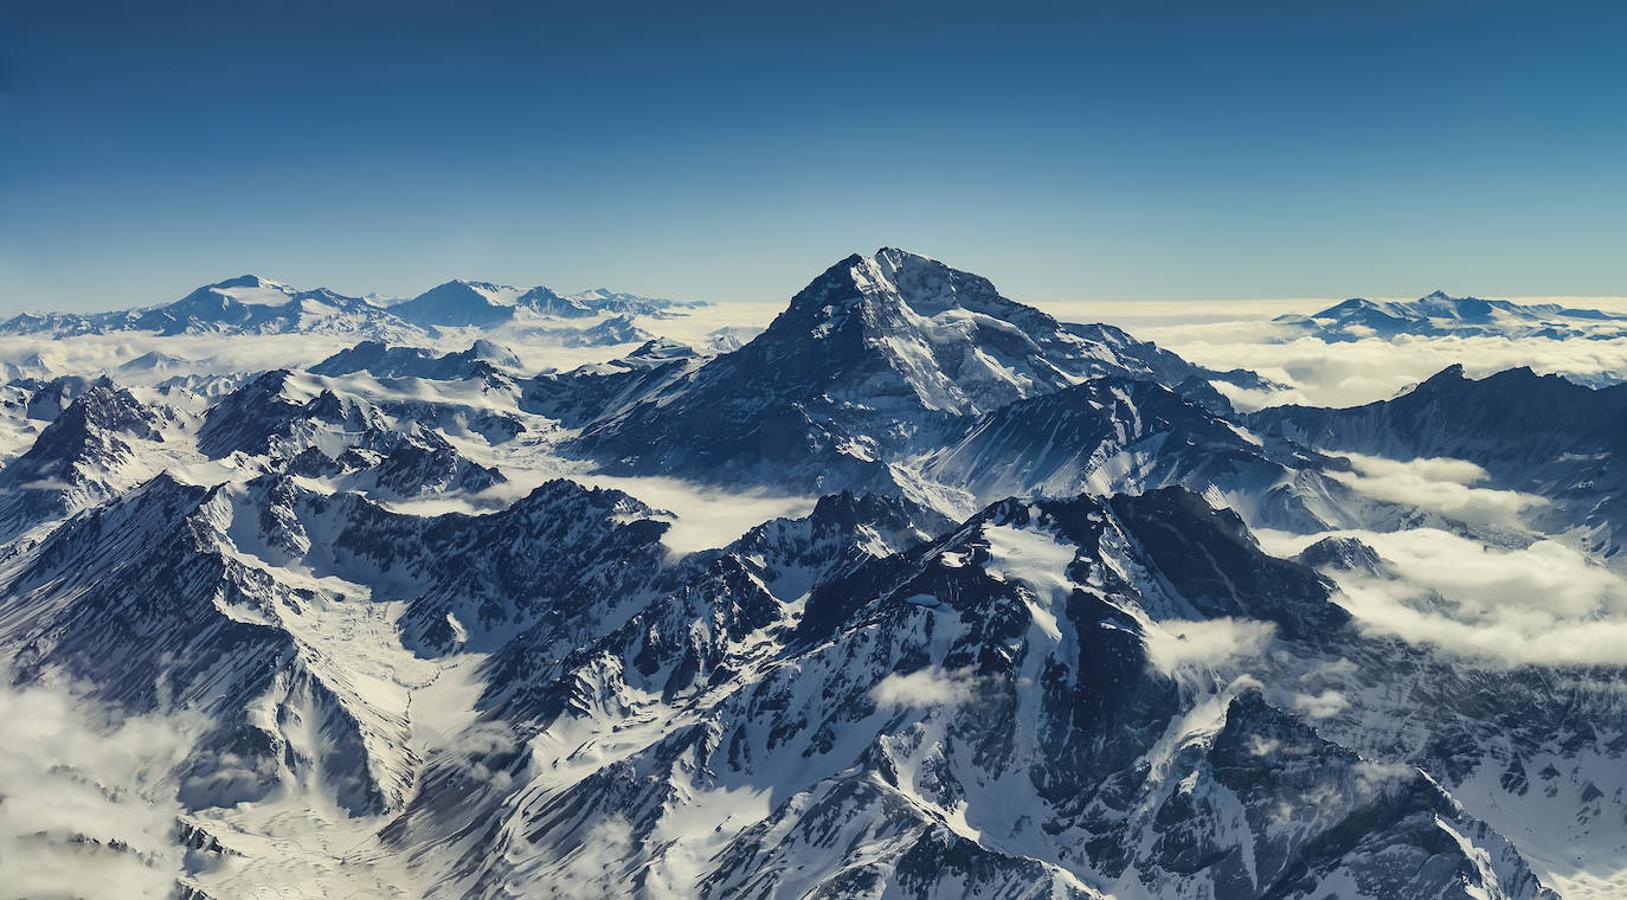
248	281
461	302
1438	313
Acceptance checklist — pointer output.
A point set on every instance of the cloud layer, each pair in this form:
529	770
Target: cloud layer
85	810
1174	645
924	688
1541	604
1226	334
1437	484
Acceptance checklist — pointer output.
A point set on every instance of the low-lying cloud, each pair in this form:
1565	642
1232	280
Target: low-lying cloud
86	809
1174	645
1441	485
1226	334
927	687
1542	604
1357	372
702	517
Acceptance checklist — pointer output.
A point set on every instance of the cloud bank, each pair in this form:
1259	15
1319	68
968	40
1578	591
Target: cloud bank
1174	645
1542	604
85	808
1226	334
1437	484
924	688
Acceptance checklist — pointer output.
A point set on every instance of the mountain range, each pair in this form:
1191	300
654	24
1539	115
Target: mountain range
250	304
983	603
1439	315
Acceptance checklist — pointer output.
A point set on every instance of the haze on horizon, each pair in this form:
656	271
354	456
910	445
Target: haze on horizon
732	151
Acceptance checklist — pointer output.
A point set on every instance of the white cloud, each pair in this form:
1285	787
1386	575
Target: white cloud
85	809
703	517
593	868
1320	706
1260	745
706	517
1439	485
1543	604
1226	334
1175	644
925	687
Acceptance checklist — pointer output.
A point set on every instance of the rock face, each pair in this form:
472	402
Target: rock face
987	712
603	391
1114	434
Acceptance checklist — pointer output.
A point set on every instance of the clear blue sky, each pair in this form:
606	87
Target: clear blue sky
733	150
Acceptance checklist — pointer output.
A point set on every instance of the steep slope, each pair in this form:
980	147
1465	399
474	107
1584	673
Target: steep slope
602	391
1116	434
1004	711
149	603
274	414
565	554
1023	652
396	465
291	419
84	457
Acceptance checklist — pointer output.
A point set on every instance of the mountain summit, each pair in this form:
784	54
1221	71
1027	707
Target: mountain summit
874	353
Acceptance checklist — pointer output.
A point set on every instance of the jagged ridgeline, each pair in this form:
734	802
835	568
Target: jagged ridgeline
915	591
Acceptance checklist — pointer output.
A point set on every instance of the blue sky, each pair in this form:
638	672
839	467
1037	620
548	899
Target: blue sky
733	150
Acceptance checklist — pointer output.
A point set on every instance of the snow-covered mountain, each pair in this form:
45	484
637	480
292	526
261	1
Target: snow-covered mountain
1113	433
486	305
618	329
460	302
876	356
250	304
919	592
623	303
602	391
84	456
1438	314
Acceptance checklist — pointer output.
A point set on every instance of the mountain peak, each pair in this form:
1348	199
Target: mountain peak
461	302
247	281
892	278
899	255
